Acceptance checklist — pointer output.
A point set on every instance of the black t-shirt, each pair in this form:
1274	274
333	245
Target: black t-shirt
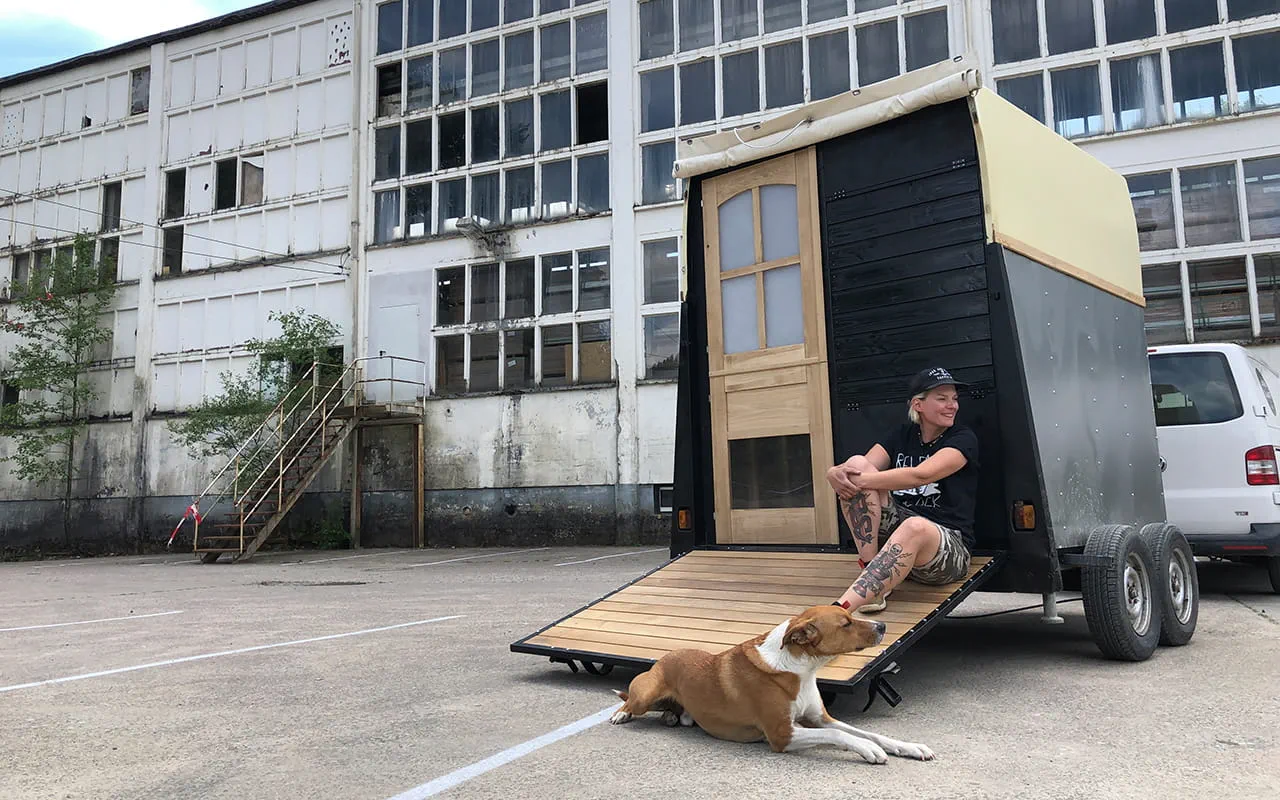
950	501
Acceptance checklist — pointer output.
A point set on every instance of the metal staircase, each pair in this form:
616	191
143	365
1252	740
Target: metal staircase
267	475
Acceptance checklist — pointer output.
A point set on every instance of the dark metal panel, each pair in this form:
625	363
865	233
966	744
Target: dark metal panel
1089	392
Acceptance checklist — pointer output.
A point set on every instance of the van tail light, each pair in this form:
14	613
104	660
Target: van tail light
1260	466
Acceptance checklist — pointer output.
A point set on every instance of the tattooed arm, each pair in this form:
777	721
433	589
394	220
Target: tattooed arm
941	464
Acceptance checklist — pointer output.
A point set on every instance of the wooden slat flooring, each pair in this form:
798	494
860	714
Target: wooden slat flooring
713	599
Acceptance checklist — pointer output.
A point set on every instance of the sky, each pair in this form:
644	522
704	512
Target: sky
38	32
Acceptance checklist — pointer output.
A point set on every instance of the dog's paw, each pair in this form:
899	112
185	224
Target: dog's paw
670	719
870	752
912	750
686	719
620	717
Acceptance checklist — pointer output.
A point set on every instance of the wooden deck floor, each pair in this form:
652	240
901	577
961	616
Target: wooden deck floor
714	599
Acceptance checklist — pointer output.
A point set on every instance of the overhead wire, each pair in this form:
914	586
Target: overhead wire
35	198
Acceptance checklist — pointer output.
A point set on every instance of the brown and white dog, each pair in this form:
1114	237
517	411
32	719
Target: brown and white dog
766	688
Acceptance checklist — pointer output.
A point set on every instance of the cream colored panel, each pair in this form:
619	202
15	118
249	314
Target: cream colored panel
774	526
1053	202
777	411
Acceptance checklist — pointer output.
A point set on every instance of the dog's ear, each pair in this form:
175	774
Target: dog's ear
803	634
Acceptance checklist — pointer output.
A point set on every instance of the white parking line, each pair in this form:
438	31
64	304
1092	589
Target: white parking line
89	621
362	555
615	555
471	558
204	656
459	776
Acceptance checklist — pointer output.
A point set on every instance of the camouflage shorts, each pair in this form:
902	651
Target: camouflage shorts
952	560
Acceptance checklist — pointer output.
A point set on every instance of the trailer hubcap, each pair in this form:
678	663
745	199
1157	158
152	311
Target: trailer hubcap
1180	590
1137	594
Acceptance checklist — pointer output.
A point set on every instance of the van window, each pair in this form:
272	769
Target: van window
1266	390
1193	389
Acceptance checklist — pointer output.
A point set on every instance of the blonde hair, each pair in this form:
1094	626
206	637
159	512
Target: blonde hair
912	414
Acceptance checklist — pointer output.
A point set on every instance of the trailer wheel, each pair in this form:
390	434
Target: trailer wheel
1120	603
1273	572
1177	582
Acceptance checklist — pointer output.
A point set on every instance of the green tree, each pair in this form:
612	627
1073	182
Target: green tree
59	327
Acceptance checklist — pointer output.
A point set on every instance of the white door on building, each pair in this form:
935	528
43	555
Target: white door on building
395	331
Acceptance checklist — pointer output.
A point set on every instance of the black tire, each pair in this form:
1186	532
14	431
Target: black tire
1177	582
209	558
1119	595
1273	572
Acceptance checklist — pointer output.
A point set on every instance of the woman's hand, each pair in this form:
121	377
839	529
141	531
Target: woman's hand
844	480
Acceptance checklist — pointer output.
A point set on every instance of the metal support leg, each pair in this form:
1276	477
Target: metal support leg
880	686
1051	615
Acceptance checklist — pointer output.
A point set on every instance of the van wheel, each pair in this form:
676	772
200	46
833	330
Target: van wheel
1120	598
1177	584
1273	571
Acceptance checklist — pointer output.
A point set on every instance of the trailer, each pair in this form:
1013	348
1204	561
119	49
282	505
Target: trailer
829	254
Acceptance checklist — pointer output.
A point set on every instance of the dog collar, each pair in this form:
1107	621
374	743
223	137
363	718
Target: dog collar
844	605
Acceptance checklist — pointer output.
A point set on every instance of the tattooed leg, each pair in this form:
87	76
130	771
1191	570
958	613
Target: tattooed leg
892	564
862	515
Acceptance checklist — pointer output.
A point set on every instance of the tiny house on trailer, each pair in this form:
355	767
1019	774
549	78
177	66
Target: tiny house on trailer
833	252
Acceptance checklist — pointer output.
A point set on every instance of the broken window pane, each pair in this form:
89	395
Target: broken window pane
1210	214
657	183
741	77
783	74
417	211
557	120
451	296
657	99
450	360
1183	15
484	292
484	362
557	283
519	67
593	279
698	91
484	14
595	356
519	292
737	20
417	147
657	28
111	206
926	39
1257	60
386	216
108	261
1137	92
453	203
1199	83
592	43
421	21
484	134
593	113
1015	28
390	31
555	52
175	193
419	94
662	346
1069	24
557	188
516	10
453	140
485	68
388	90
1163	316
519	127
1219	299
1266	271
697	24
780	15
486	198
593	183
1262	196
557	354
453	75
517	369
453	19
877	47
251	180
386	159
661	271
829	64
1152	196
224	184
1077	101
519	194
1128	20
1026	92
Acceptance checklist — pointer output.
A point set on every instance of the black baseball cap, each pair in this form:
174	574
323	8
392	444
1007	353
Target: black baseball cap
933	377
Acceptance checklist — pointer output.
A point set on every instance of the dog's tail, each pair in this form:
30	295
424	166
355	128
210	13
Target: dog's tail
623	695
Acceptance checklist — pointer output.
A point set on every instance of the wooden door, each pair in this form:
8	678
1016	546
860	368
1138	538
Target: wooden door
767	353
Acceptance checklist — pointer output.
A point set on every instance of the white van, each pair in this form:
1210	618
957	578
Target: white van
1219	430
